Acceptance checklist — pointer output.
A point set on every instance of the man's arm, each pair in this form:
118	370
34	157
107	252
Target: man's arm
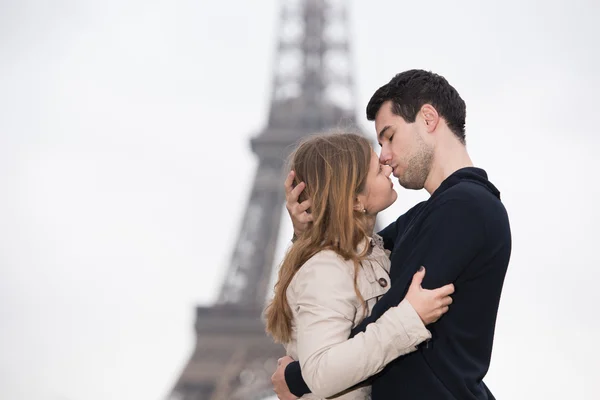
449	239
294	380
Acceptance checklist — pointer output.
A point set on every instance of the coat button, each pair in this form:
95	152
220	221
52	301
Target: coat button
382	282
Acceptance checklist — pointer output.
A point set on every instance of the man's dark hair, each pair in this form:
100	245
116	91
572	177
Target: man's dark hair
410	90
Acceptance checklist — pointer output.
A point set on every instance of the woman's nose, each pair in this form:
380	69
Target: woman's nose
387	169
385	156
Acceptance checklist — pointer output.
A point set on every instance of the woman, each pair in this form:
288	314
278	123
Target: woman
335	272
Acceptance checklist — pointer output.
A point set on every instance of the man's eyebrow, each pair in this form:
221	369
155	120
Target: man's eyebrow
385	128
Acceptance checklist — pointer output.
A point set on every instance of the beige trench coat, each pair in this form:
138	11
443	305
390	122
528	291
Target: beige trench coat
325	309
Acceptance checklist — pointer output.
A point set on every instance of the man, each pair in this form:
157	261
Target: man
461	234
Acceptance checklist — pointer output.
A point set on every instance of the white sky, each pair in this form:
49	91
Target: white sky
125	168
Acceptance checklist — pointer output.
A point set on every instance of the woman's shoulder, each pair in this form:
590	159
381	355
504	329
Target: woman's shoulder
326	264
323	275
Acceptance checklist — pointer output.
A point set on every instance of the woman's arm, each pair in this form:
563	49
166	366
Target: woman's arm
327	308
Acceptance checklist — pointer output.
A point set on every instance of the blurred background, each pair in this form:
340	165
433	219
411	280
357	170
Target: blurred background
125	170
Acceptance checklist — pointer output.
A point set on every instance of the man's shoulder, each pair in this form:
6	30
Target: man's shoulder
475	201
471	200
413	210
469	192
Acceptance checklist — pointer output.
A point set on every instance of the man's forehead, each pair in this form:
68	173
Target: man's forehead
385	119
385	110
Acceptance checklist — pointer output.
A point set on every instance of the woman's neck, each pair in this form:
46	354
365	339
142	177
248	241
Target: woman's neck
371	219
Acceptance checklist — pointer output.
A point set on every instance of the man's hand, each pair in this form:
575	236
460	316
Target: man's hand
278	379
301	219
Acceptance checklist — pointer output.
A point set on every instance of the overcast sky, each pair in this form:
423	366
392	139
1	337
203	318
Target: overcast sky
125	169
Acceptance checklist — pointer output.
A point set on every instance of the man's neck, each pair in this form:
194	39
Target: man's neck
449	157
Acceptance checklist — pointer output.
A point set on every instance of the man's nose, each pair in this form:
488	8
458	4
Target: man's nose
384	157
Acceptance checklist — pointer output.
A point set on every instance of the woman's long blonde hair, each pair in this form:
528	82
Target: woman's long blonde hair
334	169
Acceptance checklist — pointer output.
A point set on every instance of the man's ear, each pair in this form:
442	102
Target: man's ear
430	117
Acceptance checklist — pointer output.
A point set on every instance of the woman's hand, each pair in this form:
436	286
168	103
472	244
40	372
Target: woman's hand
301	219
429	304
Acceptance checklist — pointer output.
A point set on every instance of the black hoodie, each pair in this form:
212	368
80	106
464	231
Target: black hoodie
462	236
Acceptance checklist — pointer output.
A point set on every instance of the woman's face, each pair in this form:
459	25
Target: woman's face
379	191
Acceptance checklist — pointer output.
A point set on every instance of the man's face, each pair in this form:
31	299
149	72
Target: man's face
403	147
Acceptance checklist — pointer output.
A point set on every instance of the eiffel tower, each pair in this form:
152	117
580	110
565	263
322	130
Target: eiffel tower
312	92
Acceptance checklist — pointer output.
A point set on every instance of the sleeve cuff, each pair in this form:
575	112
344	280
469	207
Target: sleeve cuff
411	322
294	380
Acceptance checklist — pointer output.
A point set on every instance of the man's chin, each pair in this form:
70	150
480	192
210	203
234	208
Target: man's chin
410	185
400	180
405	184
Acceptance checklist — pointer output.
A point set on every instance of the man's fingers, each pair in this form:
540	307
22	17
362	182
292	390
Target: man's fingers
288	182
295	193
303	218
299	217
305	205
